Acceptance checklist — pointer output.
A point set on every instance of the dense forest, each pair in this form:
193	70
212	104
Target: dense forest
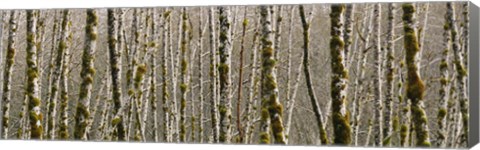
362	74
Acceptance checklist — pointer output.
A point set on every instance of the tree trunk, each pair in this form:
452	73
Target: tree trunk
444	90
460	69
360	77
340	117
61	50
65	43
390	50
87	74
115	54
253	88
377	89
200	78
165	95
306	69
225	49
348	32
272	109
56	30
213	77
7	76
33	87
183	76
153	74
466	28
240	76
415	87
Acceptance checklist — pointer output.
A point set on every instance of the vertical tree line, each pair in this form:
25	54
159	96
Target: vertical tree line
328	74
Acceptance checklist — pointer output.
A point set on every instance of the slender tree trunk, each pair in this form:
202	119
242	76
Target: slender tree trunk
87	74
360	79
115	54
213	77
306	69
278	31
290	100
390	50
139	76
7	76
3	15
97	99
183	76
33	87
291	103
272	109
240	76
56	30
377	90
174	66
466	28
104	114
348	31
444	90
65	44
132	62
460	69
190	87
201	98
249	108
225	49
415	87
61	50
165	95
153	74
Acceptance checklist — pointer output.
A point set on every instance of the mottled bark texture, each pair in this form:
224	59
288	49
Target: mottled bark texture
444	91
7	74
377	87
183	75
308	78
33	88
165	95
272	109
225	50
461	72
340	115
115	54
415	87
65	43
390	71
213	76
87	74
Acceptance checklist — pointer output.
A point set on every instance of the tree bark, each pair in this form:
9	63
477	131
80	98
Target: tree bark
390	50
213	77
115	53
225	50
33	87
306	70
445	88
377	89
272	109
415	87
7	76
340	116
87	74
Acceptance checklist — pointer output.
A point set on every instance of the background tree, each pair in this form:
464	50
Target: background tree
7	76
